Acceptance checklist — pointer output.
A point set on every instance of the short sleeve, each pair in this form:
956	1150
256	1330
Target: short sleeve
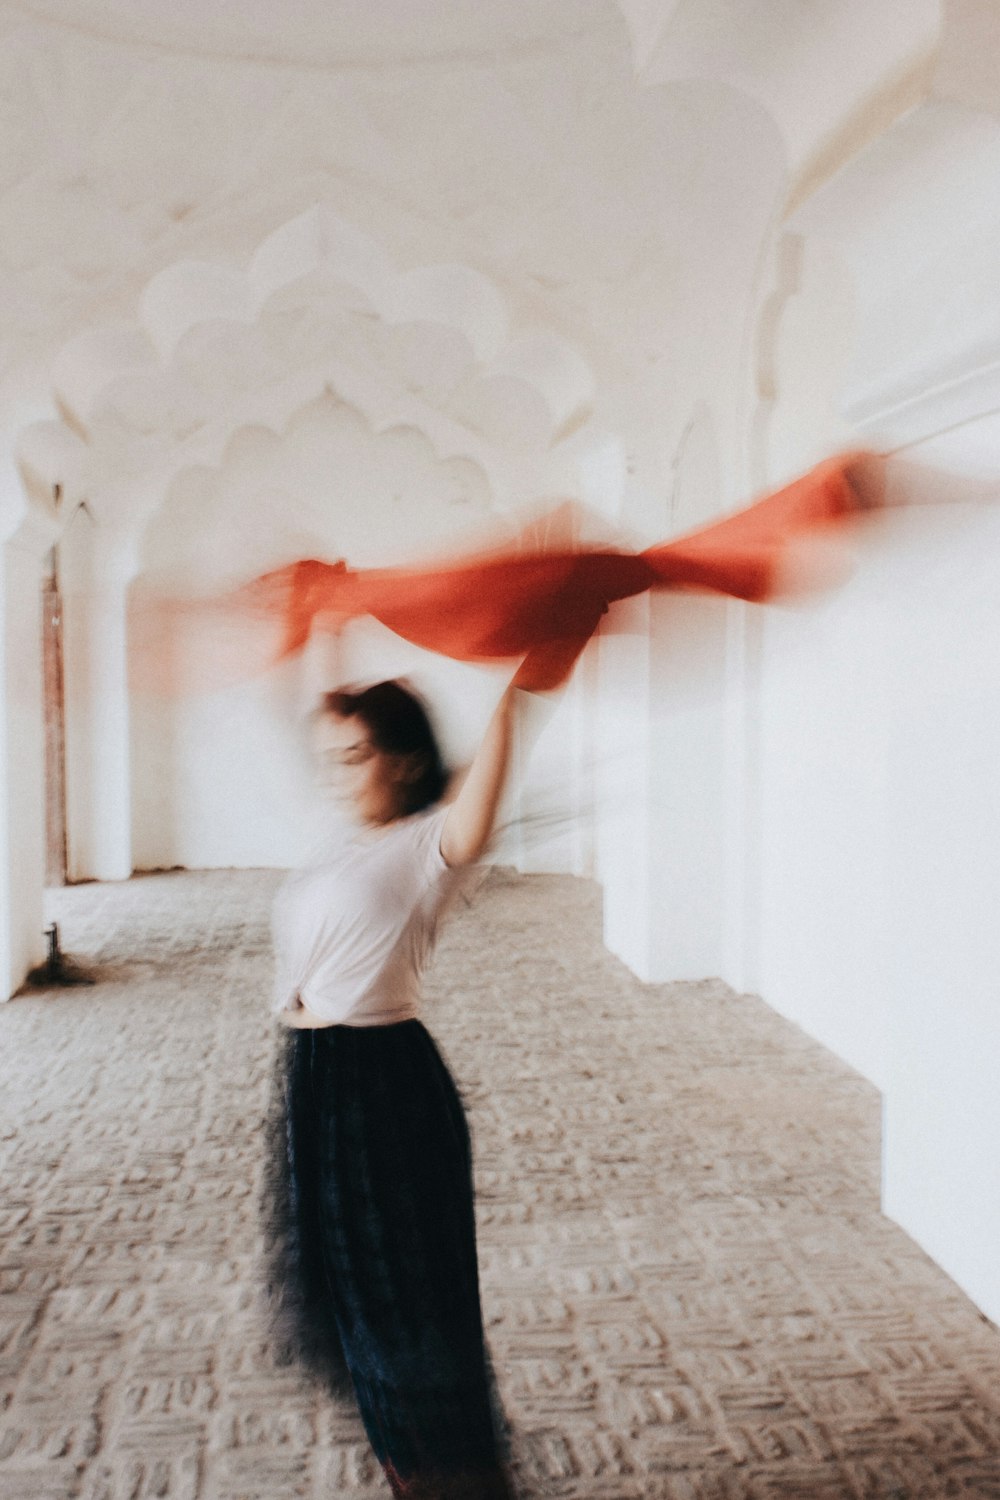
427	842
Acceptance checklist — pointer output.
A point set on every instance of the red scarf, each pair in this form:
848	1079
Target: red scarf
539	607
544	607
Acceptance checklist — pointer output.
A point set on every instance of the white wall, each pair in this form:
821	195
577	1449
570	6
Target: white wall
880	857
225	778
668	742
874	715
221	774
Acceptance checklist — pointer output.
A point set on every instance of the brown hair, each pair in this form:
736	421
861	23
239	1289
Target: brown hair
399	724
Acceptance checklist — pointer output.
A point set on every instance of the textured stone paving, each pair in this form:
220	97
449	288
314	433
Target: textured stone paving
689	1288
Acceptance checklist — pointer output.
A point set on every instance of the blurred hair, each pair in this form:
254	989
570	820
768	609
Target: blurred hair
399	724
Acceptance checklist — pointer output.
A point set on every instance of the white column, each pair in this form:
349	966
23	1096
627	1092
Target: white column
95	571
22	742
687	783
622	745
663	767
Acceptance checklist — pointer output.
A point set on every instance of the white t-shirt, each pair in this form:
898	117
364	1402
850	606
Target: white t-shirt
354	928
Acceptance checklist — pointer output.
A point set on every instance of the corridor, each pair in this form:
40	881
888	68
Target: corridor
689	1290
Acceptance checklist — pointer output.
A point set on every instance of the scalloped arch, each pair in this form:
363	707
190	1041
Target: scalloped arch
191	292
464	381
48	454
257	461
776	53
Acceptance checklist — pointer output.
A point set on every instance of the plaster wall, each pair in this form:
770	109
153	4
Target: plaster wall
873	714
221	773
879	863
224	779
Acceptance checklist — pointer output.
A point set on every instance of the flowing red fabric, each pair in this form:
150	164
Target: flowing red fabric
543	607
535	606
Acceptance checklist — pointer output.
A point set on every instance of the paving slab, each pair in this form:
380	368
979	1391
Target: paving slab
689	1290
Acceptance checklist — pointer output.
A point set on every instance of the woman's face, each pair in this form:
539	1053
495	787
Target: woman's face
359	776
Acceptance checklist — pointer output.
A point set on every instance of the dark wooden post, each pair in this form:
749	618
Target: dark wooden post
55	725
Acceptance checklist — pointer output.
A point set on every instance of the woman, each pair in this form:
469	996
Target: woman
377	1268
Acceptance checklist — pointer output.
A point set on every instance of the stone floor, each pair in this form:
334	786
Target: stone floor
689	1289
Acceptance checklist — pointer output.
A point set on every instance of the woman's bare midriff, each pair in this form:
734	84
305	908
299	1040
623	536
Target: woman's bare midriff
300	1017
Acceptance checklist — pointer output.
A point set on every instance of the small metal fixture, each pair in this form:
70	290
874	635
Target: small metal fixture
57	968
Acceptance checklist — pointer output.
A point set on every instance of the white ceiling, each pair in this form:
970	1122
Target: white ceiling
496	222
327	33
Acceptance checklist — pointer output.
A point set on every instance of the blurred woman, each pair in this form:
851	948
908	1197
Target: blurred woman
377	1272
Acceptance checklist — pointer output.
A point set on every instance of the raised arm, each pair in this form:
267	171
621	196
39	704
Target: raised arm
470	819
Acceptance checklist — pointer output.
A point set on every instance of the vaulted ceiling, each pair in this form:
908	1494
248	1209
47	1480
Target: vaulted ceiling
494	223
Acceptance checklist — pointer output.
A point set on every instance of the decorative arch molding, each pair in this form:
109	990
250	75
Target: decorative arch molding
50	460
805	334
778	53
648	21
260	465
320	306
926	346
927	354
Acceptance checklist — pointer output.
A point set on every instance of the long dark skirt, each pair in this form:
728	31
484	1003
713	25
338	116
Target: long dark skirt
373	1273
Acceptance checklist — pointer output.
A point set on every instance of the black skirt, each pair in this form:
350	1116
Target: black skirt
373	1274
